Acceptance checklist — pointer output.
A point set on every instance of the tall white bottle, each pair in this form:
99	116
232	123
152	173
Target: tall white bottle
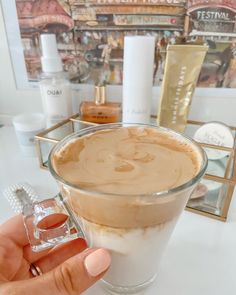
54	83
137	78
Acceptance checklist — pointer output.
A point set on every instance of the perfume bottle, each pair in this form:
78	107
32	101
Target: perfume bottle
54	84
100	111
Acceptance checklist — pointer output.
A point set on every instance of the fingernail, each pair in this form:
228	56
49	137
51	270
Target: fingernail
97	262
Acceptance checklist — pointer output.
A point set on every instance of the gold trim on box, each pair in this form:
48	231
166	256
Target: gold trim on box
227	179
230	181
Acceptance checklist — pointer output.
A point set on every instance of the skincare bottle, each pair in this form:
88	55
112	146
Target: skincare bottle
137	78
54	84
100	111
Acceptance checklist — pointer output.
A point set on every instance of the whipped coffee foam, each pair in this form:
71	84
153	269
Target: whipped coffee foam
127	161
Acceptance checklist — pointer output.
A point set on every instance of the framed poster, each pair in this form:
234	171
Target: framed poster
90	36
214	21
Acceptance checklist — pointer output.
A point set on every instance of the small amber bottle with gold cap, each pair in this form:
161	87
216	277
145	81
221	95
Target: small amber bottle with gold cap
100	111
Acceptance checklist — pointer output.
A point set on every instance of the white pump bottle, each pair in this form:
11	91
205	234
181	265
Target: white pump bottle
54	83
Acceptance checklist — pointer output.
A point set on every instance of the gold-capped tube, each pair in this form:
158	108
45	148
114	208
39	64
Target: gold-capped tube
183	65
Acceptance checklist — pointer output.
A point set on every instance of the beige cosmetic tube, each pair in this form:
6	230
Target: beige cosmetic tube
182	68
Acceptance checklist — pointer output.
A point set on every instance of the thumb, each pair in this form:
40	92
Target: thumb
71	277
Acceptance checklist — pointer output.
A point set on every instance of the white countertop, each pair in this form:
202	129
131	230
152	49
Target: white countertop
200	257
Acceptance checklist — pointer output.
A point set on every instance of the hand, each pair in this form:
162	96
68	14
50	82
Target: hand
68	269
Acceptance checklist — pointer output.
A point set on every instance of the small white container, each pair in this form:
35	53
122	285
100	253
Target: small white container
27	125
216	133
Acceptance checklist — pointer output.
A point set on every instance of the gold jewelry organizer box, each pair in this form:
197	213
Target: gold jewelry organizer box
212	197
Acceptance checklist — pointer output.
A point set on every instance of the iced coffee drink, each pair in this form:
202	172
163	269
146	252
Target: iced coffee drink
128	186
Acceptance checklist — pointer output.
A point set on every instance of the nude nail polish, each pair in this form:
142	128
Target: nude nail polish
97	262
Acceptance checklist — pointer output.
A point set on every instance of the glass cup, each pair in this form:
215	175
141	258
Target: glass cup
135	228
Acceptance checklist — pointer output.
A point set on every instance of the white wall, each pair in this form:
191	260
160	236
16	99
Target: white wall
207	105
13	101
